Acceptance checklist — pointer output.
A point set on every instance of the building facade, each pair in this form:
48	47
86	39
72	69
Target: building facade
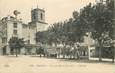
37	23
13	27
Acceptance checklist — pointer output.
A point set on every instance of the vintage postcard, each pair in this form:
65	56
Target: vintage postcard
57	36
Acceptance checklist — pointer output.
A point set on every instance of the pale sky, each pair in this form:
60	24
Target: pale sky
56	10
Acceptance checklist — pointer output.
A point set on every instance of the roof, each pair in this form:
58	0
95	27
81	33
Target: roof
11	18
38	9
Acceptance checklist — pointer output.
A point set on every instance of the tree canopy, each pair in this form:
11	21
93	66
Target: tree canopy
16	43
97	19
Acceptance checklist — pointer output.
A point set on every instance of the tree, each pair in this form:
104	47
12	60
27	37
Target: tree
103	24
16	43
40	51
98	19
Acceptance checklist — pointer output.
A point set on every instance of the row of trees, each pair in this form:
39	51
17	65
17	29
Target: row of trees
96	19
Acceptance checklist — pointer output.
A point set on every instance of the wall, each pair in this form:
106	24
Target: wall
10	29
25	32
32	35
42	26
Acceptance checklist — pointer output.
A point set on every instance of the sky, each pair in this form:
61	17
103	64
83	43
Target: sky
55	10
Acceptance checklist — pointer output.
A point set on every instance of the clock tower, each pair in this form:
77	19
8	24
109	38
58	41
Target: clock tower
38	15
37	23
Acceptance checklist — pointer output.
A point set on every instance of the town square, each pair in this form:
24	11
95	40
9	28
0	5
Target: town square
45	36
28	64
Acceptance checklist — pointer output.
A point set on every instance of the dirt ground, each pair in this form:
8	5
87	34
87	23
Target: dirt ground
27	64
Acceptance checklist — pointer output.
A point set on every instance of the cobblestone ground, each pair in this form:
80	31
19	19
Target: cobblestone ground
27	64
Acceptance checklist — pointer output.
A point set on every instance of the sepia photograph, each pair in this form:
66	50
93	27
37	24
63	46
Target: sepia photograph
57	36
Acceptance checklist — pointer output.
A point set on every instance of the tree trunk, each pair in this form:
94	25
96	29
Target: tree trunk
100	54
16	52
100	51
40	56
63	56
78	56
113	55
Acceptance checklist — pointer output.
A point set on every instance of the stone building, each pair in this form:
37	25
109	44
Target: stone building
14	27
37	23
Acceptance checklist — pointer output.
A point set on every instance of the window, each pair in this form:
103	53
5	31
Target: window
28	41
34	16
41	16
3	40
15	32
15	25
